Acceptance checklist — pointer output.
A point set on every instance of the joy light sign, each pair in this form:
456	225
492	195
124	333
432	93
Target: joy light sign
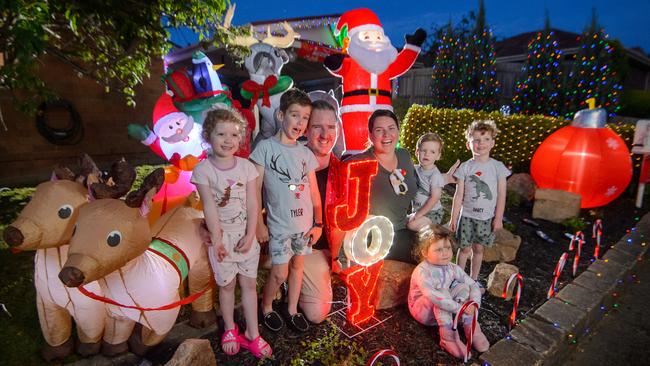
352	216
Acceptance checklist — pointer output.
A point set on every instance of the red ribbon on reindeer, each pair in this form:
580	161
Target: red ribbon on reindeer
580	238
597	232
256	89
556	274
520	285
172	305
469	336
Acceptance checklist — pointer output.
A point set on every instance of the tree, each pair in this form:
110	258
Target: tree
464	67
448	82
482	78
539	91
594	73
110	41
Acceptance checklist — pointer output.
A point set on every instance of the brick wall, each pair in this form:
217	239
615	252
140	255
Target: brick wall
27	158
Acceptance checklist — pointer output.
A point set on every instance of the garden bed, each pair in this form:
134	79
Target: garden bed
415	344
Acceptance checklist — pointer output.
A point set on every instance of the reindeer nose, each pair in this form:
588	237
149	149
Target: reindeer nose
13	236
71	276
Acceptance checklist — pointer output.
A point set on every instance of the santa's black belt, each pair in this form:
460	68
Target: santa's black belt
370	92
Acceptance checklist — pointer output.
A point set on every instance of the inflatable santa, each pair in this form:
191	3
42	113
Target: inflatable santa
367	69
175	136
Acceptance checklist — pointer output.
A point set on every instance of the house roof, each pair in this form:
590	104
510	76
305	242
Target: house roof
518	45
515	49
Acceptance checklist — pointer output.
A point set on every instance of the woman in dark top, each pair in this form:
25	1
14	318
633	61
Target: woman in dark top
394	186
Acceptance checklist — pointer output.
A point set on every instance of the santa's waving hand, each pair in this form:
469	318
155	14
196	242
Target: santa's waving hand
367	69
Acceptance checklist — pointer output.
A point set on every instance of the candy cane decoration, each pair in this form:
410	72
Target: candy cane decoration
597	232
383	353
556	274
520	285
469	336
579	237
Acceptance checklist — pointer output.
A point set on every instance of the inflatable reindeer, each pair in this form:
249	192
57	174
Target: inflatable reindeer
264	65
140	268
46	225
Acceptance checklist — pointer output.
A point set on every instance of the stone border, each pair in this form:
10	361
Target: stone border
179	333
544	337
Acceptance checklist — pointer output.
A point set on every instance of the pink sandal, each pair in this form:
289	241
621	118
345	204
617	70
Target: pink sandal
257	347
230	336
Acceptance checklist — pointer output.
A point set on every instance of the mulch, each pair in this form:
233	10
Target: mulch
416	344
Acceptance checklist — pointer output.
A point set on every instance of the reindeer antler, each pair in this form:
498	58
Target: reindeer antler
155	179
62	172
283	173
281	41
244	41
119	182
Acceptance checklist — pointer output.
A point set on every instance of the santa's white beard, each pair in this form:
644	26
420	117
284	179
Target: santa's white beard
372	60
193	146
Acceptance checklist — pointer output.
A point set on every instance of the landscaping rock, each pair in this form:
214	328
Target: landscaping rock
393	284
504	249
498	278
523	185
556	205
195	352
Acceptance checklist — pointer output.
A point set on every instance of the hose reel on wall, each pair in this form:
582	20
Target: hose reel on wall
71	134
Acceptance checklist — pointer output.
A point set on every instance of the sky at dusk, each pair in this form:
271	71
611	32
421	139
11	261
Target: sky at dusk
625	20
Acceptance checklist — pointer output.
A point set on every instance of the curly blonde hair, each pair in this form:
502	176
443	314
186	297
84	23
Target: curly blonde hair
427	236
216	116
482	126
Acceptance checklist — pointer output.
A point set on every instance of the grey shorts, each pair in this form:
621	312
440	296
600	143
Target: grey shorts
283	247
435	216
474	231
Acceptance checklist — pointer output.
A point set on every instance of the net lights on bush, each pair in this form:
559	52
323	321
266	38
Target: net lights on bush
520	134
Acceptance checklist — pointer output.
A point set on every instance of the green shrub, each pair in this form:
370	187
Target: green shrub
574	224
509	226
330	348
400	107
635	103
519	136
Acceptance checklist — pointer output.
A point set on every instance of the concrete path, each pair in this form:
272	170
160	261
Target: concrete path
623	336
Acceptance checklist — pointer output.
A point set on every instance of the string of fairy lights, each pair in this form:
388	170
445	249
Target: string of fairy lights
539	89
519	136
545	87
592	75
464	71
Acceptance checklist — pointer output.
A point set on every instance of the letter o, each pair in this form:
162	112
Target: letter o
354	243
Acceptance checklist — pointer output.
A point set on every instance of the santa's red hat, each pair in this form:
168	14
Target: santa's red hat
163	111
358	20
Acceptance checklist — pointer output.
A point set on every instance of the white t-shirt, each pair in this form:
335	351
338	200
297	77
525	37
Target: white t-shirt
229	189
480	199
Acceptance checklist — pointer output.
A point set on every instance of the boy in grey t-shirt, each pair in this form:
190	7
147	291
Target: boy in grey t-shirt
480	197
293	205
426	204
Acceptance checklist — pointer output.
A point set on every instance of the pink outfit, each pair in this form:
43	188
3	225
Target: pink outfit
437	292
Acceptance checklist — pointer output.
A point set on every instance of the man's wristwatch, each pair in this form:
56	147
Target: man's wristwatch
318	224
